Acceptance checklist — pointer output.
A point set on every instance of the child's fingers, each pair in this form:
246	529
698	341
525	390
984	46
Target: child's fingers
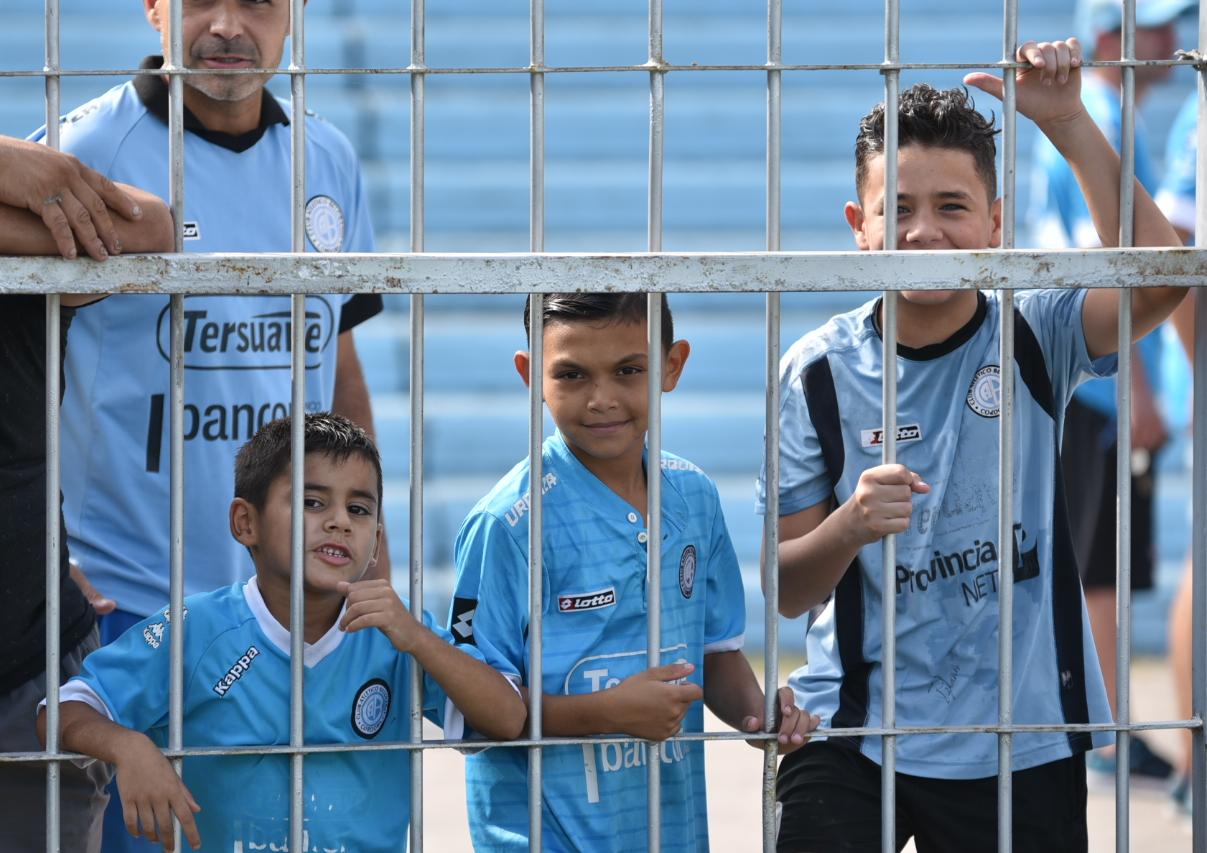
670	671
1031	53
985	82
1075	53
184	812
1063	56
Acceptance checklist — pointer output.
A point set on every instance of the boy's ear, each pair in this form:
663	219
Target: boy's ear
521	365
854	216
244	521
150	8
995	214
376	545
672	366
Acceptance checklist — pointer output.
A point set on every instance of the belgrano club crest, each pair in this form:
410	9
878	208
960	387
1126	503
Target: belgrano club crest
985	392
687	571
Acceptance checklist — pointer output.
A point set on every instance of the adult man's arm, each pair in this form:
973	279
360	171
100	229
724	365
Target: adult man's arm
351	399
23	233
72	201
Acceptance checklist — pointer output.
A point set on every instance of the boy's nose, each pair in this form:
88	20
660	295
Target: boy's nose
338	520
602	396
922	230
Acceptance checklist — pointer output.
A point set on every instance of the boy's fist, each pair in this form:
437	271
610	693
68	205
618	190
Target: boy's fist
375	604
653	703
1050	89
793	723
882	502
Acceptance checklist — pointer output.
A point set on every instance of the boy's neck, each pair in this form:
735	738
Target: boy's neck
321	610
623	475
921	325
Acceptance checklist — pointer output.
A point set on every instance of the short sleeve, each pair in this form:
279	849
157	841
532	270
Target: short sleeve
357	308
1055	317
725	615
804	480
130	675
490	599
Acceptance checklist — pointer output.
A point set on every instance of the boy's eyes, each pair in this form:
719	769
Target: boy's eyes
310	502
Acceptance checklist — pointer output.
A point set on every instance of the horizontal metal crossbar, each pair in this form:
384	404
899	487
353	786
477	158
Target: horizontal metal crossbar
741	272
1185	58
405	746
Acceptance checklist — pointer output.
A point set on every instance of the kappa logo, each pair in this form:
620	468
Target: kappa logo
583	601
985	392
153	634
237	671
325	224
371	708
687	571
905	432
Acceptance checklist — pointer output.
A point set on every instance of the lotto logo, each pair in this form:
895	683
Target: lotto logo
587	600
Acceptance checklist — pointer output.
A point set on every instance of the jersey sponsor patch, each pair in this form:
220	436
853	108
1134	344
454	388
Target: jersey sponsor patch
583	601
687	571
905	432
370	708
462	623
237	671
325	224
192	231
985	392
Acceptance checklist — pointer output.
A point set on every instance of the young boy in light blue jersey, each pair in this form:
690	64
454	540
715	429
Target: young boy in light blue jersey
595	680
940	499
237	672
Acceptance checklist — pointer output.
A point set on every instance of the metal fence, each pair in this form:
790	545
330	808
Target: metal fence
770	272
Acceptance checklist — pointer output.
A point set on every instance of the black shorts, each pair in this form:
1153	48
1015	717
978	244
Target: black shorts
1088	466
829	794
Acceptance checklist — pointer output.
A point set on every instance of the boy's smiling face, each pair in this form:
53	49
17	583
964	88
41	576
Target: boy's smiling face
595	384
942	203
341	517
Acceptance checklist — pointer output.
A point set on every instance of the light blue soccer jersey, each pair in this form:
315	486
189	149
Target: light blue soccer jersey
946	590
116	415
594	621
1176	193
1061	220
236	693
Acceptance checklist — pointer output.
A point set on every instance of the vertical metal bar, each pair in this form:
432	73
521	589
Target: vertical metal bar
536	227
417	392
1123	447
654	550
888	772
297	614
772	424
536	592
54	532
174	61
536	236
654	442
1198	532
1005	529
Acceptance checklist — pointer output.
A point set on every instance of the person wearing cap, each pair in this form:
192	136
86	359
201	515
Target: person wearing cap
116	426
1060	219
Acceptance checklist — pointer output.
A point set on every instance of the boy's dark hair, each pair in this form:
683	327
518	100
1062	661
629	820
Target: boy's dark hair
593	307
266	454
940	119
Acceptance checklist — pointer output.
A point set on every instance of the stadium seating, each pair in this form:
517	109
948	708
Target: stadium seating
477	185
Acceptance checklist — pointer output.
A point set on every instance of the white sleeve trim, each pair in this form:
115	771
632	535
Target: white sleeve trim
733	644
77	691
454	722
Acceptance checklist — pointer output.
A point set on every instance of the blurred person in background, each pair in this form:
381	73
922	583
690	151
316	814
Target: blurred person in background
1061	220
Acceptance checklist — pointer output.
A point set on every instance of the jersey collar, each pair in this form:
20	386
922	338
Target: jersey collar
960	337
153	92
278	635
603	499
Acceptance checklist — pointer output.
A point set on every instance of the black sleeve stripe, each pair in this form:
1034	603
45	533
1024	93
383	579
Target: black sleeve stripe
853	694
359	308
1029	357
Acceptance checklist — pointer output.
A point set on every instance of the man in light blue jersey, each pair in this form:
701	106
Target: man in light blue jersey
837	501
595	677
361	642
1060	219
116	418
